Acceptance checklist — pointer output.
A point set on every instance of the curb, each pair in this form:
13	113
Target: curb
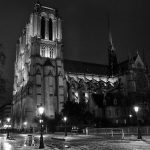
61	139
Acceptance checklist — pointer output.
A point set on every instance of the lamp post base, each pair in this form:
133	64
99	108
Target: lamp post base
8	136
139	134
65	133
41	142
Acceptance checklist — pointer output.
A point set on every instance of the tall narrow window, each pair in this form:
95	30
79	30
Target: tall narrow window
50	29
43	28
50	54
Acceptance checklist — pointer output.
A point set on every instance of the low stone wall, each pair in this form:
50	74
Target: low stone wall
126	130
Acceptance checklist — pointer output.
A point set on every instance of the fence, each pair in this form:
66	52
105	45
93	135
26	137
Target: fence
126	130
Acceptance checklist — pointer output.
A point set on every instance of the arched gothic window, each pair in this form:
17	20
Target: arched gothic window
51	53
50	29
43	28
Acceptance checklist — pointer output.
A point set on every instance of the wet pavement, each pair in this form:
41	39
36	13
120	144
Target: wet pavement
79	142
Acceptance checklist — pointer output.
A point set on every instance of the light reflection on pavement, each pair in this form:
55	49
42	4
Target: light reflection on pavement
84	144
11	144
4	145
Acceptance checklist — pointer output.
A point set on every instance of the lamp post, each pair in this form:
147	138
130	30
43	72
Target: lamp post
130	119
136	109
65	120
41	111
8	121
25	125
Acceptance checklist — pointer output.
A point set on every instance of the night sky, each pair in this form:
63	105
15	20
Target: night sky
85	30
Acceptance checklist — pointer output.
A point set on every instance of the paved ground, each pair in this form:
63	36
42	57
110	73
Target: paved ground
76	142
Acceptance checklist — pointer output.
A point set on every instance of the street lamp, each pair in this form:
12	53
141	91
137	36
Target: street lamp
25	125
136	109
8	121
65	120
41	111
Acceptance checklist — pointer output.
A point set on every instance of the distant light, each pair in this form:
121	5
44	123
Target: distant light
136	109
66	146
65	119
76	97
40	120
8	119
5	125
130	116
76	94
86	95
41	110
25	123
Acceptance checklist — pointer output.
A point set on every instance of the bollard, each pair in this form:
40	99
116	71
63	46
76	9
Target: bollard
86	131
30	140
122	134
112	133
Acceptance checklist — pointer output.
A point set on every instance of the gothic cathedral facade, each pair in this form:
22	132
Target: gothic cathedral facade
43	77
39	72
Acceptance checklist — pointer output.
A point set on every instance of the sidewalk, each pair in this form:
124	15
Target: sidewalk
19	142
20	138
134	138
71	137
32	148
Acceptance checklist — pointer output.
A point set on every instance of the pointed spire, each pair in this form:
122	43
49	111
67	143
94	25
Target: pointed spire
37	6
109	34
112	58
137	52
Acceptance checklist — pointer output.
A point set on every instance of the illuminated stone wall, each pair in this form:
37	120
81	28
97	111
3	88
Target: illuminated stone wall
38	68
40	77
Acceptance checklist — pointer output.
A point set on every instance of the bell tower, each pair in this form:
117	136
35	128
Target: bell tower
46	25
39	72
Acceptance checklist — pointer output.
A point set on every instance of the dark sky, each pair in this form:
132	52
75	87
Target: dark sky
85	29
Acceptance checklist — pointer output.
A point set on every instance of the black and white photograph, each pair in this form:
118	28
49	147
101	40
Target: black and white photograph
75	74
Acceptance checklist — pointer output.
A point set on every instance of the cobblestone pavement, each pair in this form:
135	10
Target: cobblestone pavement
84	144
112	145
98	144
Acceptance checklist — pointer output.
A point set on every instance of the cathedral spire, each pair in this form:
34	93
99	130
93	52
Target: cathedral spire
110	35
112	58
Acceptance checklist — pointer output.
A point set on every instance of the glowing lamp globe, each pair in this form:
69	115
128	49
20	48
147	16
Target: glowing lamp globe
41	110
25	123
8	119
136	109
65	119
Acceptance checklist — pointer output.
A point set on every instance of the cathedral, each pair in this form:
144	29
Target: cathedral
42	77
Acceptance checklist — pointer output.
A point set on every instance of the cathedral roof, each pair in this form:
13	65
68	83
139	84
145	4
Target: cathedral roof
84	67
72	66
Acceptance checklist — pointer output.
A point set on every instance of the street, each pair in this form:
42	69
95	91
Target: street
90	143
